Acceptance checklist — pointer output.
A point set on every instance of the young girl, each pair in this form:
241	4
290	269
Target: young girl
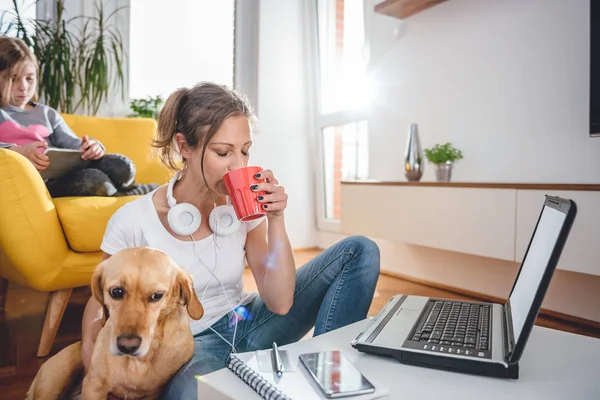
209	128
28	127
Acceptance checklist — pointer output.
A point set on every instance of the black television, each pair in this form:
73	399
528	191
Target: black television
594	68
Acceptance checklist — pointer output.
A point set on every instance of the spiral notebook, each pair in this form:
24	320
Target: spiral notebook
292	385
255	380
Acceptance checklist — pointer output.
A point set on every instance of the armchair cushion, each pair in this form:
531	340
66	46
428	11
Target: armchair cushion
84	219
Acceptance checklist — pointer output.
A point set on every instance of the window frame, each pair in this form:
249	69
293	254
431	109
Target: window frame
321	120
246	50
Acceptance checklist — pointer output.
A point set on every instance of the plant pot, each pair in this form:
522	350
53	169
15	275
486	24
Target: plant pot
443	172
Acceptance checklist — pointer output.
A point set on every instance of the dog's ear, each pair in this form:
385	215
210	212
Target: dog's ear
97	290
188	295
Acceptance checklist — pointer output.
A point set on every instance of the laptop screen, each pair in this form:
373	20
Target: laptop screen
534	266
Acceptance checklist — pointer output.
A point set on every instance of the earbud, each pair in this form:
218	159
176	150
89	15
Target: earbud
185	219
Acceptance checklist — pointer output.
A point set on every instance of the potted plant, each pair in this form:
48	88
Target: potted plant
81	59
146	108
443	156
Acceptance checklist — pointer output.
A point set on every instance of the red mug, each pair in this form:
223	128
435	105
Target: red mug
243	199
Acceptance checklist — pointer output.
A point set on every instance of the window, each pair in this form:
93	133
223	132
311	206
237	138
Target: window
179	43
342	68
342	93
345	157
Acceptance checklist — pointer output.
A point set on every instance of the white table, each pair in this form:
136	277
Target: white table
555	365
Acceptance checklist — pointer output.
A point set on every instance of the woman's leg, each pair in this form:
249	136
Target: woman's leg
210	354
83	182
333	290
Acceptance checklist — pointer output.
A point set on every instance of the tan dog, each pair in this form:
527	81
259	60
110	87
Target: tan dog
145	339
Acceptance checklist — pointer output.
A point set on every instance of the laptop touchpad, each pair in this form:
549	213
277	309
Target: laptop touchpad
397	329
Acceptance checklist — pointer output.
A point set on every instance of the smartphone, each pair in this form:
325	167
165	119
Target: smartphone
335	375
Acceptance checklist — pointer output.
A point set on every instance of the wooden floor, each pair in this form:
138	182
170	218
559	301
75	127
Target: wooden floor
21	325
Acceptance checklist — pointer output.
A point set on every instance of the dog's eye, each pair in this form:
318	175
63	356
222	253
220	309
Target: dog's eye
117	293
156	297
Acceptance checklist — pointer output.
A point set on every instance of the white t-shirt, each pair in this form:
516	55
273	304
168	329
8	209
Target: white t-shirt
136	224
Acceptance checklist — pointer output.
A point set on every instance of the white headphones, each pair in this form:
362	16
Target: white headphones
185	219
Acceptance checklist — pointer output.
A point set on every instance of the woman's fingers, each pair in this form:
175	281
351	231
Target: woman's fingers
268	175
275	206
274	201
267	187
273	198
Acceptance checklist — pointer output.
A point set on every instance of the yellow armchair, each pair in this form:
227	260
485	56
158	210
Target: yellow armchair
53	245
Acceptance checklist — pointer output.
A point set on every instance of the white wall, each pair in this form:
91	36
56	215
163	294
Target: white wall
506	81
179	45
282	140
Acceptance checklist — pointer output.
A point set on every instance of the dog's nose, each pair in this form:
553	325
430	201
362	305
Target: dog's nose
129	344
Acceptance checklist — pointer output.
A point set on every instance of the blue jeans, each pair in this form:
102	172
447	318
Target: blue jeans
333	290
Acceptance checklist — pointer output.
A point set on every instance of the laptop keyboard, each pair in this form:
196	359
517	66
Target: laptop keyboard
455	327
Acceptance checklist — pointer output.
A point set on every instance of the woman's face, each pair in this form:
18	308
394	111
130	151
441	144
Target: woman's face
23	86
227	150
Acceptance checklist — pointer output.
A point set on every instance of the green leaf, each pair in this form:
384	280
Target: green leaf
442	153
146	108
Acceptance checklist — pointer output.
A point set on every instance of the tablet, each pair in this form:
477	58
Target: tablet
62	161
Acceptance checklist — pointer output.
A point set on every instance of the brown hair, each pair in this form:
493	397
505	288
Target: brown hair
13	54
197	113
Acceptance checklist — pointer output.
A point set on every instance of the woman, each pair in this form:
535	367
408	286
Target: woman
208	128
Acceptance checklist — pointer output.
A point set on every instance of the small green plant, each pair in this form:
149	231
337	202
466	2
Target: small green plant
146	108
442	153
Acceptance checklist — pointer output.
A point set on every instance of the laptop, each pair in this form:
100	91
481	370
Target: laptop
481	338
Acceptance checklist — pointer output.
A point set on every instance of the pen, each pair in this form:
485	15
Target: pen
277	360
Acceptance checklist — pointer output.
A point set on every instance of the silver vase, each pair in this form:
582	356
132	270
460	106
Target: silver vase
413	160
443	172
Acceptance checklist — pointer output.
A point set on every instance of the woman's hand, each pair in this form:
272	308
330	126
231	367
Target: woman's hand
268	248
30	151
274	201
91	149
